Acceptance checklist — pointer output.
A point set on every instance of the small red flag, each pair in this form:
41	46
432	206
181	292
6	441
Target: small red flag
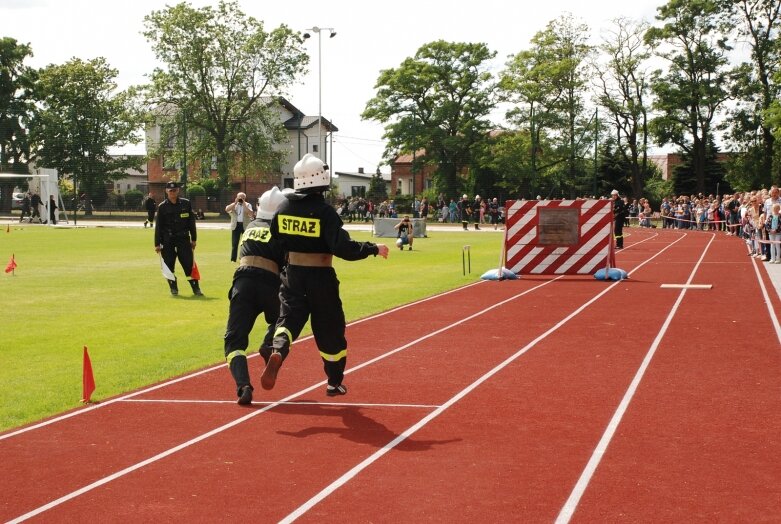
195	274
11	265
88	380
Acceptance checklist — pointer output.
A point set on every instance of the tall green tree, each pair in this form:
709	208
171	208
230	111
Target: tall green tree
692	91
82	115
439	100
623	90
221	72
548	83
757	87
16	109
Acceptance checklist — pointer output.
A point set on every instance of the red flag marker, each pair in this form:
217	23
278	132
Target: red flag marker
11	265
88	380
195	274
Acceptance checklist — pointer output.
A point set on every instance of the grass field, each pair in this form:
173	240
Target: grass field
102	288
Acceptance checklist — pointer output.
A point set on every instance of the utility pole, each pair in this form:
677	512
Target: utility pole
184	153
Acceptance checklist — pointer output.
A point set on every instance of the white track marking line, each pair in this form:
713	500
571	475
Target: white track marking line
588	472
171	451
349	475
768	303
295	403
207	370
224	427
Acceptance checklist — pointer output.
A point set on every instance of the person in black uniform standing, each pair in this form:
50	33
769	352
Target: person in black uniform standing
620	212
312	234
151	206
255	290
175	235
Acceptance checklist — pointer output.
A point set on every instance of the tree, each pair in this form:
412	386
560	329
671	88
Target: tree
378	190
81	116
222	73
439	100
757	87
16	108
623	89
547	82
691	92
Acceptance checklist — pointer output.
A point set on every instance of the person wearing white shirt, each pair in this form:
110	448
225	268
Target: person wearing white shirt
241	215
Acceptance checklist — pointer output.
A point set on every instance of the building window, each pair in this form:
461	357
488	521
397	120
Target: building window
358	191
315	148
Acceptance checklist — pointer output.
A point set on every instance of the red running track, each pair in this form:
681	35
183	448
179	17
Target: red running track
533	400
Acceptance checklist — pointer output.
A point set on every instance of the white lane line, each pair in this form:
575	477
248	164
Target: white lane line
213	368
580	487
224	427
349	475
238	421
768	303
294	403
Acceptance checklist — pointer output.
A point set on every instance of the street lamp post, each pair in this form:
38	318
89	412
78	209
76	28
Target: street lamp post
331	34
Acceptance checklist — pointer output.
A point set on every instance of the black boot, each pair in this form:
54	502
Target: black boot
196	288
174	287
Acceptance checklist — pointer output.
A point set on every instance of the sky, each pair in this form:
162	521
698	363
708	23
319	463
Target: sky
371	37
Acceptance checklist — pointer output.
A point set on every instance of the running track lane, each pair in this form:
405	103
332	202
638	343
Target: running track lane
512	446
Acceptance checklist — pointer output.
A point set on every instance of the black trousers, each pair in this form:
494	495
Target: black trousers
235	239
314	292
178	247
619	232
251	294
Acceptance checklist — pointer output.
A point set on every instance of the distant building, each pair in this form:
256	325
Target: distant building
356	183
302	138
667	163
406	182
133	179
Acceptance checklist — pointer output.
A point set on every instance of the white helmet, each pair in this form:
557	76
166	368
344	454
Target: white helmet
269	202
310	172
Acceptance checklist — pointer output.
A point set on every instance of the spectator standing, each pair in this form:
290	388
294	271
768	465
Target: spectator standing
493	212
52	210
772	198
773	227
241	215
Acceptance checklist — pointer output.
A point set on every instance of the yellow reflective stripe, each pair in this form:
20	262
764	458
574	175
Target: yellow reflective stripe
238	353
283	331
301	226
334	358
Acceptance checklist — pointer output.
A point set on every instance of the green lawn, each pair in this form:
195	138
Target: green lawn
102	288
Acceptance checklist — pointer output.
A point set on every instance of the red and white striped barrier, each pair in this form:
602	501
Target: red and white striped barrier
559	237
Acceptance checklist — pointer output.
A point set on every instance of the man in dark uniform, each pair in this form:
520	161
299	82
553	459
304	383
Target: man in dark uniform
151	206
255	290
311	232
620	212
175	235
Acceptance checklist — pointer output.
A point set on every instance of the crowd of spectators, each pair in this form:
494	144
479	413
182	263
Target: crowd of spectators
749	215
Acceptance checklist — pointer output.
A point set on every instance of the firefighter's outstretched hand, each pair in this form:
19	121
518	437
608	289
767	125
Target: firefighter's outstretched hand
383	250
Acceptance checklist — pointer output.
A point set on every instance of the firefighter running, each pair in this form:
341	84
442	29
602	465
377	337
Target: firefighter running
255	290
311	232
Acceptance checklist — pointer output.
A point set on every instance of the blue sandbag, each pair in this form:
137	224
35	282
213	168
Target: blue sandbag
493	274
613	273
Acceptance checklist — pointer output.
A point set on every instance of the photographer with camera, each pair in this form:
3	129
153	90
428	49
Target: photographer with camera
241	215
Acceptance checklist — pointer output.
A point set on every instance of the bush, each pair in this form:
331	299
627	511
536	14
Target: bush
195	190
133	199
